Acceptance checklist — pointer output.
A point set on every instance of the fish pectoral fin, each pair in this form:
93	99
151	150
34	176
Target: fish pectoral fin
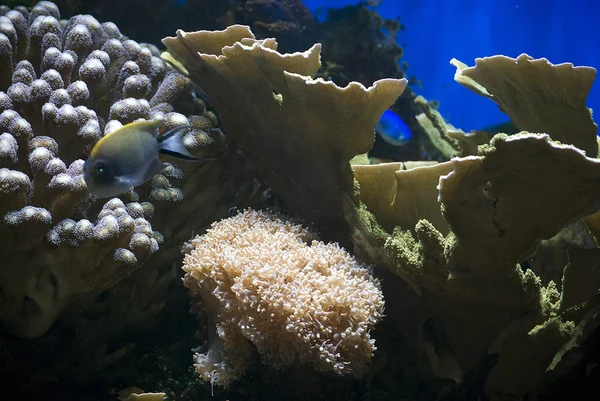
126	181
134	180
156	167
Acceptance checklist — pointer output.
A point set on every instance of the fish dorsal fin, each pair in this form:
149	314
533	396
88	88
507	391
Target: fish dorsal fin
149	126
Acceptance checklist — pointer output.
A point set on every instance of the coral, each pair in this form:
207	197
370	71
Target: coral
474	246
359	45
63	85
537	95
400	194
526	90
458	232
552	255
300	132
268	281
55	246
448	140
133	16
472	273
137	394
484	238
289	21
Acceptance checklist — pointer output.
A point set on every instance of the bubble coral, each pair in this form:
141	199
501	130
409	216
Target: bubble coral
268	281
63	85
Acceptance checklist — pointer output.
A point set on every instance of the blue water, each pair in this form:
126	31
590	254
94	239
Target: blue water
393	129
438	30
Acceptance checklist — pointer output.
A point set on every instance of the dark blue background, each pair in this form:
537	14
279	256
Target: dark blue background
438	30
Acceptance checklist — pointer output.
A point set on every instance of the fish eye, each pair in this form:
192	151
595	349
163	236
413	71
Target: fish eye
100	167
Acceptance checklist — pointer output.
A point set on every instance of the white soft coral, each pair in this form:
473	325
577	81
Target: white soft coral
266	281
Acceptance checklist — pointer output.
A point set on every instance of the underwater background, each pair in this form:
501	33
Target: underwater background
332	200
559	30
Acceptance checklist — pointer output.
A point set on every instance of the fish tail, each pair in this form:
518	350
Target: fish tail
171	143
177	131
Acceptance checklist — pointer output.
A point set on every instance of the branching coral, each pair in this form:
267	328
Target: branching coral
63	85
270	282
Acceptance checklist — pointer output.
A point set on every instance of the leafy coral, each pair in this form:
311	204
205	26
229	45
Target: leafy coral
498	206
537	95
300	132
466	265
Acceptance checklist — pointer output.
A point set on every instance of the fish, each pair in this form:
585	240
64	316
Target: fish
129	156
392	129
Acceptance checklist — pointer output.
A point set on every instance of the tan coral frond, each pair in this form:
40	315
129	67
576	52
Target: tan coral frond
301	132
538	96
401	196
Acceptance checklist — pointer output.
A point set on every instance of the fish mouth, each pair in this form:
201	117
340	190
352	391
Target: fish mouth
88	180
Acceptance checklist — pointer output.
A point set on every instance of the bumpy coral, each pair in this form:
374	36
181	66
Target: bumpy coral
63	85
54	249
268	281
